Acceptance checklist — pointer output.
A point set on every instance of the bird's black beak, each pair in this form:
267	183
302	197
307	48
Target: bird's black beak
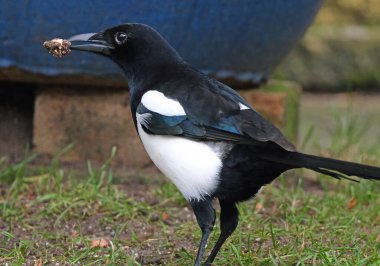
91	42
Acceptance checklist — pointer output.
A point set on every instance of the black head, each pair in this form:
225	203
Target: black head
132	46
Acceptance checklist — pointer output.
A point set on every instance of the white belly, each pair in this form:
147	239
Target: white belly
192	166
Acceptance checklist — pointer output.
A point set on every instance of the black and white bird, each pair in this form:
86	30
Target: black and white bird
201	133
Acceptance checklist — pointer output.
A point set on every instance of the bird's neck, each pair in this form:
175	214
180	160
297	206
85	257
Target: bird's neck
150	75
147	73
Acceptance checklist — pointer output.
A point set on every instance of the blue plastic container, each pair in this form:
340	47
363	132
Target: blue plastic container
241	39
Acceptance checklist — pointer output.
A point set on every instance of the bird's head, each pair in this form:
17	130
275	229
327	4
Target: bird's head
132	46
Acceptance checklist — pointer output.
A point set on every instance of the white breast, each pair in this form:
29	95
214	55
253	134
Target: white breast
192	166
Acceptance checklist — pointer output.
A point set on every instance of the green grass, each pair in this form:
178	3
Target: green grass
54	214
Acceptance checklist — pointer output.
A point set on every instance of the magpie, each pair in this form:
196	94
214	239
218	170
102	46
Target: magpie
201	133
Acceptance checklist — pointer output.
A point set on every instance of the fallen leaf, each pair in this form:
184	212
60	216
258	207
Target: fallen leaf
165	216
31	195
352	203
38	262
259	206
101	243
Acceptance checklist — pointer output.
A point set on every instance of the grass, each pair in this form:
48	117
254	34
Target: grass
54	216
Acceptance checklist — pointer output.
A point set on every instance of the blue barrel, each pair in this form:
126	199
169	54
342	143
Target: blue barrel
241	39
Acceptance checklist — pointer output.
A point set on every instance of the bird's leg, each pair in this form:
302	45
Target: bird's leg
205	214
229	217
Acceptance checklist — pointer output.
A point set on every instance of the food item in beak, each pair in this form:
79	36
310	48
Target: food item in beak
58	47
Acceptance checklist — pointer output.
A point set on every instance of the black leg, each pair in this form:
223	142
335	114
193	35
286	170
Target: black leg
229	217
205	214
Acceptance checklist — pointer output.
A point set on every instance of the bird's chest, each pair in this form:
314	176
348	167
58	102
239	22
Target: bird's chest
192	166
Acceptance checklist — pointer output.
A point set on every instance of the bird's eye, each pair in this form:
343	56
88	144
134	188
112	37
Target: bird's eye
120	37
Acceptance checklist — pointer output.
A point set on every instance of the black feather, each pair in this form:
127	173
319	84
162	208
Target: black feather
328	166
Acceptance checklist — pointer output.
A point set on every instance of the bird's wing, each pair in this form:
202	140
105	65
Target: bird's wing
212	116
181	125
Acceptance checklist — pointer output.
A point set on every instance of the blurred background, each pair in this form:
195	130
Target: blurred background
340	52
266	50
338	65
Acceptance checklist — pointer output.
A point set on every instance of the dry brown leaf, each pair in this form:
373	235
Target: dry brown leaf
31	195
165	216
38	262
259	206
352	203
101	243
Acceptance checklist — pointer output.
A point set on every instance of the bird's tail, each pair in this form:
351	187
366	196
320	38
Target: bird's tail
332	167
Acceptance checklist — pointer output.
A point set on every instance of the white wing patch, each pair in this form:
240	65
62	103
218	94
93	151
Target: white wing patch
243	107
157	102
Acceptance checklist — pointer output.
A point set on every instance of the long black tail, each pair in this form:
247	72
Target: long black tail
332	167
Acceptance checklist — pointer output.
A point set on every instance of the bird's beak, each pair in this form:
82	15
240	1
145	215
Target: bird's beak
90	42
